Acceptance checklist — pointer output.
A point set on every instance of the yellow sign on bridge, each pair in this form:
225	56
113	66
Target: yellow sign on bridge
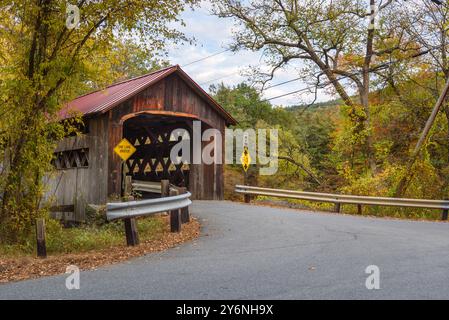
124	149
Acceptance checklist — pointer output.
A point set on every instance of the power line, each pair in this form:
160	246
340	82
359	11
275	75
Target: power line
225	76
325	84
281	83
286	94
343	77
207	57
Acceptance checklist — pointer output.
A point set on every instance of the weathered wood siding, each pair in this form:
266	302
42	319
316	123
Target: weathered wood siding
80	186
102	178
170	94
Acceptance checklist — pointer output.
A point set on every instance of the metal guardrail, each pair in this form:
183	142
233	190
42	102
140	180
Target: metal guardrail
173	200
134	209
146	186
339	199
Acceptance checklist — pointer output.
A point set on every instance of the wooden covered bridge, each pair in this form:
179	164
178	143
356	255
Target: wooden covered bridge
144	110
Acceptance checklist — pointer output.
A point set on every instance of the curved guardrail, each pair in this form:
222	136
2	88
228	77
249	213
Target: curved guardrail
133	209
176	204
346	199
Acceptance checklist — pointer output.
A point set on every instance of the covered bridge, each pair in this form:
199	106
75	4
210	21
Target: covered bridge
144	110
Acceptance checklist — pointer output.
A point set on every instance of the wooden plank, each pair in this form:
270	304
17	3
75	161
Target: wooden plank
185	215
444	215
114	161
165	188
81	141
128	185
132	236
98	162
40	238
337	207
62	208
175	219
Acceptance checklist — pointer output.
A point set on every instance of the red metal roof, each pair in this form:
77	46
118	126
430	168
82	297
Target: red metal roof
102	101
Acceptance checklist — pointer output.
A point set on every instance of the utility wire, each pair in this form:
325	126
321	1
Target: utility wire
213	80
281	83
320	86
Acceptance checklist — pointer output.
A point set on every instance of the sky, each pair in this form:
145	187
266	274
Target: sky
213	35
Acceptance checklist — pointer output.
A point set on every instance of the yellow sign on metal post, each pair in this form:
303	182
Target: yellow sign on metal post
245	159
124	149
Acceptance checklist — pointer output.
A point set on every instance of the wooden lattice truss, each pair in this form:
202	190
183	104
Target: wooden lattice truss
78	158
151	161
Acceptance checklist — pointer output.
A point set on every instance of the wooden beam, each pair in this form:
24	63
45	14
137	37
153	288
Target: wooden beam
175	219
63	208
132	236
40	238
185	215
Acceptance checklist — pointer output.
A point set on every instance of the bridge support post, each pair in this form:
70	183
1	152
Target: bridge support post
185	215
175	217
132	236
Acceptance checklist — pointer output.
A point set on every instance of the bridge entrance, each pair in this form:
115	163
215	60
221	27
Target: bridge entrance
151	136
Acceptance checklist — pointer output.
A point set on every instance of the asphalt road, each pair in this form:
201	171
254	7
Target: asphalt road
251	252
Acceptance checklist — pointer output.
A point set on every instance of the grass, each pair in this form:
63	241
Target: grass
61	240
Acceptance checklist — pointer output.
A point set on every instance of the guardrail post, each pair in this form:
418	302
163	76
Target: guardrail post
185	216
165	189
40	238
247	198
337	207
175	219
444	214
132	236
359	209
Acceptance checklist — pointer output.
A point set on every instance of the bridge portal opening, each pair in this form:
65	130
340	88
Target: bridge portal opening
151	136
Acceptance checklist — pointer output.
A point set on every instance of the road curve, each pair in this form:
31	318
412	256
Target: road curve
253	252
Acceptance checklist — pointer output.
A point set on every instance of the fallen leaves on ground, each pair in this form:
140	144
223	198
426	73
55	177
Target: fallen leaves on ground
15	269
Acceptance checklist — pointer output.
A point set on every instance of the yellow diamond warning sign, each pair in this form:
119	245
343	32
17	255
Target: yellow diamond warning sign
124	149
245	159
